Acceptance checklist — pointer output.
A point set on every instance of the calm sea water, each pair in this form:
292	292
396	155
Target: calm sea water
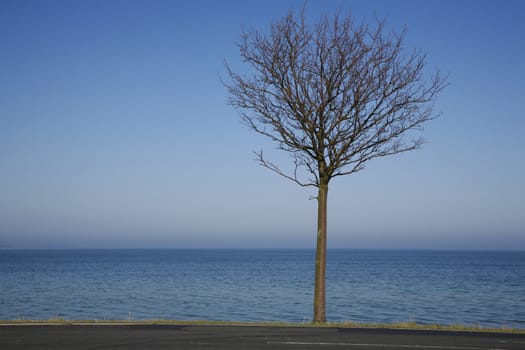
475	288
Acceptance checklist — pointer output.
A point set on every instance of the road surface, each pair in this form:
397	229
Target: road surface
232	337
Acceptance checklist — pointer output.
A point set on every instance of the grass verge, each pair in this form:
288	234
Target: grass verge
400	325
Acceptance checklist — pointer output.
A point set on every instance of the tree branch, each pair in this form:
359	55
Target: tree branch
260	158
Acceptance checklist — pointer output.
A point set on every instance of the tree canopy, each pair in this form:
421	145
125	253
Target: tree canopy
334	95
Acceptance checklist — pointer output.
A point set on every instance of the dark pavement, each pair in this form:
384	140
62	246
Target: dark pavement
230	337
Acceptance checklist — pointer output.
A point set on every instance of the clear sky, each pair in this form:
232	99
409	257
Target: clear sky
115	132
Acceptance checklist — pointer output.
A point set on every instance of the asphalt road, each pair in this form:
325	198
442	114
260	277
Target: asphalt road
228	337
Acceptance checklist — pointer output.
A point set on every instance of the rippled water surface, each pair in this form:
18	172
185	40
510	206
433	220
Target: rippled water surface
474	288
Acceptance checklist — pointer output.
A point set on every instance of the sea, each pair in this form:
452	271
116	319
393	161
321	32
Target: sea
484	289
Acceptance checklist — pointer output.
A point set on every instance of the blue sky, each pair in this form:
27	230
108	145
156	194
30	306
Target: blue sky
115	132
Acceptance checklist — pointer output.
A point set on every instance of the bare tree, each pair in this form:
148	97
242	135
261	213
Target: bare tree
334	96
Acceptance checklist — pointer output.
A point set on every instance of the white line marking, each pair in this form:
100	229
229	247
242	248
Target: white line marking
387	345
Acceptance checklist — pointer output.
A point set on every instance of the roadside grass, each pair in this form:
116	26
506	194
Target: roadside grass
409	325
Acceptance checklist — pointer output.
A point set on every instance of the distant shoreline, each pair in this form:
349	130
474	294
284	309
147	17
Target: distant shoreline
423	250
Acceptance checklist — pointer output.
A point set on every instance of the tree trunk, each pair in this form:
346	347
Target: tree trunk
320	258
